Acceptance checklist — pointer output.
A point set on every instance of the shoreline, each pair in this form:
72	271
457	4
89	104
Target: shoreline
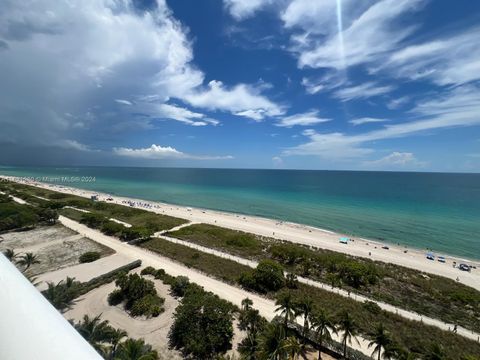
296	233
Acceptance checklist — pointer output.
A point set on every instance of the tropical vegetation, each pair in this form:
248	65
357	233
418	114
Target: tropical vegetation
112	343
138	295
427	294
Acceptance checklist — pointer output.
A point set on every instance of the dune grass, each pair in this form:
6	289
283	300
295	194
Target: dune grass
430	295
136	217
412	335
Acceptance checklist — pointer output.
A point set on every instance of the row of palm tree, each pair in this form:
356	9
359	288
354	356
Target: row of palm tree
322	325
112	343
26	260
319	326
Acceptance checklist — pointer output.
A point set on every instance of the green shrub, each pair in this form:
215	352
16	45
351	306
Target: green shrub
15	216
93	220
202	327
149	305
134	233
180	286
267	276
47	215
149	270
139	295
89	256
372	307
156	310
111	228
115	297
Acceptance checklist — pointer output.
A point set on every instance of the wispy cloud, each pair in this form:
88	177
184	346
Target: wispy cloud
242	9
328	81
370	36
398	102
159	152
304	119
123	101
457	107
362	91
366	120
184	115
445	61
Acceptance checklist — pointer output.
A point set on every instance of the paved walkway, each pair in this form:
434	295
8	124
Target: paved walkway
235	295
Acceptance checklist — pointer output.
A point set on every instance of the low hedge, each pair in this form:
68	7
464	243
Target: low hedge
89	256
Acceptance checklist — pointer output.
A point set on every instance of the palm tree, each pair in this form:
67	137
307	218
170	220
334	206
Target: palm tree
304	308
248	347
323	326
291	281
381	339
62	294
28	259
286	306
114	338
246	304
251	321
294	348
133	349
10	254
271	341
349	329
95	331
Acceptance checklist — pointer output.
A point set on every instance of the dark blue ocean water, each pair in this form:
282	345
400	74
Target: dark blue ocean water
422	210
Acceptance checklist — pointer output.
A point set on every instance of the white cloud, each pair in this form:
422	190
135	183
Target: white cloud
87	54
159	152
92	56
320	17
256	115
457	107
395	160
242	99
72	144
329	81
398	102
241	9
362	91
181	114
365	120
451	60
366	37
312	87
331	146
304	119
123	102
277	161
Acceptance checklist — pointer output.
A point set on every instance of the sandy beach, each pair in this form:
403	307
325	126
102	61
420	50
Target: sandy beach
297	233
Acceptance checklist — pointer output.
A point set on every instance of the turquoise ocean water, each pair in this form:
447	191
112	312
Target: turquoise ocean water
422	210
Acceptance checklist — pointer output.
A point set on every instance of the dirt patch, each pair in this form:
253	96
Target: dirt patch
55	246
154	330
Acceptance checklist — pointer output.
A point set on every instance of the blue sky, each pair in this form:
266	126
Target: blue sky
301	84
